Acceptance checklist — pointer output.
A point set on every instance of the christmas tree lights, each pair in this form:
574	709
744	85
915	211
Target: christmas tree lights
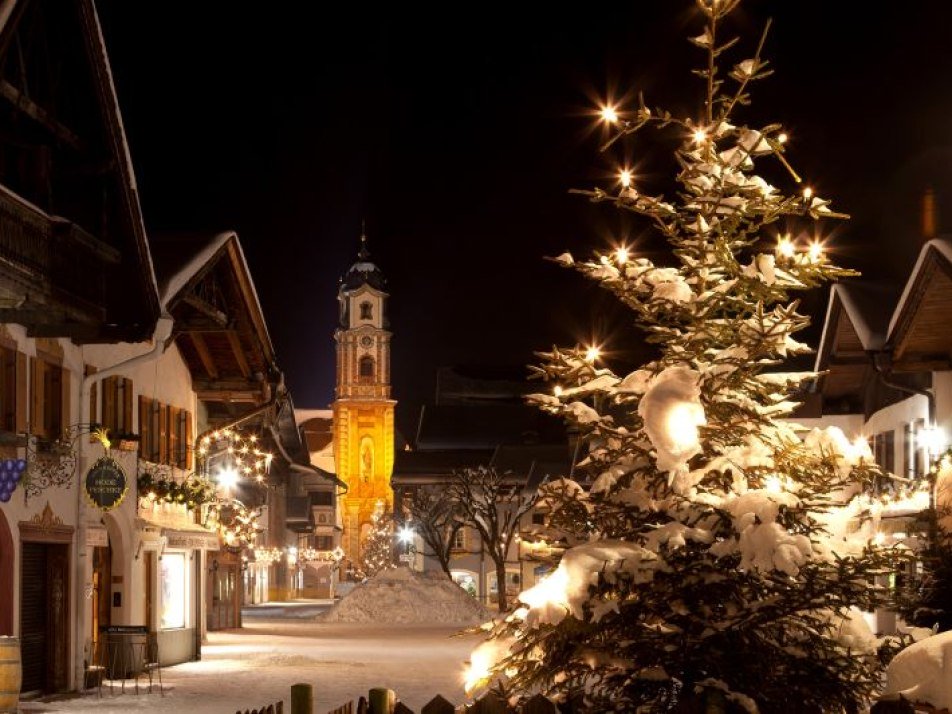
717	556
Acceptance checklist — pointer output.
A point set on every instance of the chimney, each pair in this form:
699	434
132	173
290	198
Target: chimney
928	215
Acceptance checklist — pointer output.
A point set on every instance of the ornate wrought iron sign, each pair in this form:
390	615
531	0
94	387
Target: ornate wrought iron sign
106	483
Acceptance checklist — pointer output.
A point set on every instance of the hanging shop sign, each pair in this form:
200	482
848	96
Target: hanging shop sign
106	483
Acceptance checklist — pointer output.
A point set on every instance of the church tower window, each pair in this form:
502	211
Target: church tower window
366	369
366	311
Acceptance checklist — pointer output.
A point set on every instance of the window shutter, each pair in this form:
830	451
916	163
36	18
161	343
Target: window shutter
8	389
127	390
66	403
93	405
189	455
173	435
145	436
163	434
37	384
110	385
21	394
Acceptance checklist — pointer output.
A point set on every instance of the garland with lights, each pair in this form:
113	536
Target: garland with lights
713	569
193	492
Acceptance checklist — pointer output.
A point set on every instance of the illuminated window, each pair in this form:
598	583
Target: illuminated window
173	591
366	311
459	540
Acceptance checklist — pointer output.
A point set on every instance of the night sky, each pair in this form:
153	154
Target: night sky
457	133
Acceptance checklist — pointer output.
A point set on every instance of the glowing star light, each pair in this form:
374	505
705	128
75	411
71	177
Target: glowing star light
815	252
625	178
592	354
785	247
621	255
699	136
609	114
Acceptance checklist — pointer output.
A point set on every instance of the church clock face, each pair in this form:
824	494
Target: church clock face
366	341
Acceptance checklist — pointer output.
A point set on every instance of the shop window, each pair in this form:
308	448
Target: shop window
366	311
49	386
173	590
13	390
366	369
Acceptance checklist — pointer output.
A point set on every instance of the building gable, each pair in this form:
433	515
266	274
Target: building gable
71	229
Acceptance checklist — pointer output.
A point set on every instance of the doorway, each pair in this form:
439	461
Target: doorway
44	617
102	592
224	611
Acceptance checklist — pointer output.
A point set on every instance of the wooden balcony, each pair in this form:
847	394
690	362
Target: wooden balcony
52	272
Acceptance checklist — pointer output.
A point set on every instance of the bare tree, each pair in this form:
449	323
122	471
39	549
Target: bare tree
494	505
437	519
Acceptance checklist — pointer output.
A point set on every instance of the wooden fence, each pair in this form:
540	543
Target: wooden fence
277	708
487	704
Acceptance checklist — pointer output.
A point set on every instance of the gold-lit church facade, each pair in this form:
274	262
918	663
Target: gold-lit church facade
363	410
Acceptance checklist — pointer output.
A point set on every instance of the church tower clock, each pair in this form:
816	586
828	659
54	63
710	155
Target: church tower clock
363	409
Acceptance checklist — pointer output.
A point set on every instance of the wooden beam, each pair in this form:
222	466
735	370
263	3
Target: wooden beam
228	384
207	309
239	354
39	115
204	355
923	364
227	395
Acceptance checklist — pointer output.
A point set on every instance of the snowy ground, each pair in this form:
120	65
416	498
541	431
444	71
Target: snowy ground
280	647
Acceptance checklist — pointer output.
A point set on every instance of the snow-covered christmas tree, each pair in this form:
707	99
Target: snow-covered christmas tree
717	564
377	552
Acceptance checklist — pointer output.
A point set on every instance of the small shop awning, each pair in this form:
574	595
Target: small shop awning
184	537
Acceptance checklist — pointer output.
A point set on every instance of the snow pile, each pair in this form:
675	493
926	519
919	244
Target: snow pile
923	672
399	596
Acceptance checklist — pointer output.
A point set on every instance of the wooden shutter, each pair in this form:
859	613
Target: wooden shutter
8	389
66	403
173	435
93	396
189	452
21	395
163	434
145	433
110	387
37	385
127	391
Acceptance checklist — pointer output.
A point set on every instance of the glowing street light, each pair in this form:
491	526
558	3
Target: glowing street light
406	535
228	478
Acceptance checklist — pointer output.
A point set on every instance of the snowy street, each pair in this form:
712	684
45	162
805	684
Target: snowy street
281	646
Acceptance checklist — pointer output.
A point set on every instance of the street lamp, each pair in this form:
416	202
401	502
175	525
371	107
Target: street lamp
405	536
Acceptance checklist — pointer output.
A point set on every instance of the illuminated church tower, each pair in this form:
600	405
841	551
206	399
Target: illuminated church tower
363	409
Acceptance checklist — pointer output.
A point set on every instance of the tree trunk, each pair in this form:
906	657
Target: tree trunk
501	584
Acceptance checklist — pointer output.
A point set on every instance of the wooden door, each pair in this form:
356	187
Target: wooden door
57	575
44	617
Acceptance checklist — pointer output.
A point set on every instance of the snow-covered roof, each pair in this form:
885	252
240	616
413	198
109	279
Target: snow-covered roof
866	306
943	247
180	259
302	415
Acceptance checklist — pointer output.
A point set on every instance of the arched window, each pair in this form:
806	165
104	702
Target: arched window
366	371
366	311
